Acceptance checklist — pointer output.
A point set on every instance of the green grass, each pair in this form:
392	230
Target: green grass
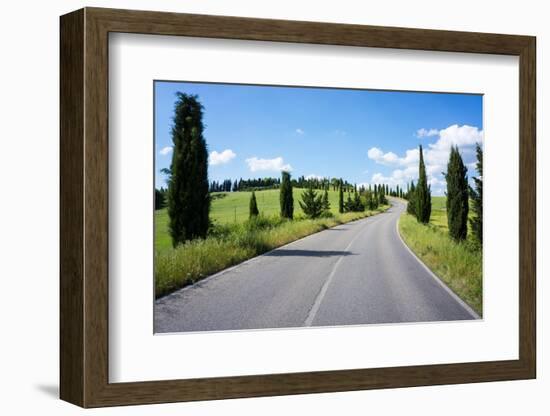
232	207
459	265
232	241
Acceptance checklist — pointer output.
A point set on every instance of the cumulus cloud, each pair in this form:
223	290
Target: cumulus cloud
276	164
222	157
420	133
166	150
465	137
436	156
299	131
390	158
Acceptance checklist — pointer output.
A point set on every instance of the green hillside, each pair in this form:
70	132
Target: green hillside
232	207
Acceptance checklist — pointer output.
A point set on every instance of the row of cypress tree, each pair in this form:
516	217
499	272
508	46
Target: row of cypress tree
458	194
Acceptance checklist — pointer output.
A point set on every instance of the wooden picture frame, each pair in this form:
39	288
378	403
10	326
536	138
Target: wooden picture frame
84	207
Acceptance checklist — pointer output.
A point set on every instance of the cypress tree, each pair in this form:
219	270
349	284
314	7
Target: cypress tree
340	198
311	203
357	203
370	201
423	198
348	205
381	195
253	206
477	198
188	198
326	203
285	196
457	196
159	199
411	205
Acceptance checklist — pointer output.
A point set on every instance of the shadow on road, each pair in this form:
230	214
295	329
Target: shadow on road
308	253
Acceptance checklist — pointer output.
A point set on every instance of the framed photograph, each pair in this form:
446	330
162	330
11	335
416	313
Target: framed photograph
254	207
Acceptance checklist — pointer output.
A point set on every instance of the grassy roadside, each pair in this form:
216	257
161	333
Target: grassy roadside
459	265
232	207
233	243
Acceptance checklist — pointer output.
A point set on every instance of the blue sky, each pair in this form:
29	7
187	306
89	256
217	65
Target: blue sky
362	136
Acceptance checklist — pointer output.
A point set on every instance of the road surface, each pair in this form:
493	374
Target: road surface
355	273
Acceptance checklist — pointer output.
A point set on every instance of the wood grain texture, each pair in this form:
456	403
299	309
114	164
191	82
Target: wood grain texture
71	213
84	207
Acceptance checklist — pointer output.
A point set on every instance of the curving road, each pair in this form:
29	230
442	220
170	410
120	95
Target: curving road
356	273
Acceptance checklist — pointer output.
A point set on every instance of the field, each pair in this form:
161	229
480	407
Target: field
234	238
459	265
232	207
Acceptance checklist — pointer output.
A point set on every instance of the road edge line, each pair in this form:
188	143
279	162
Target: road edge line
467	307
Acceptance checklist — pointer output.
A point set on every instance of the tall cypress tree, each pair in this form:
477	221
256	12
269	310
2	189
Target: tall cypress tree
423	197
285	196
411	198
188	198
340	198
253	206
477	198
457	196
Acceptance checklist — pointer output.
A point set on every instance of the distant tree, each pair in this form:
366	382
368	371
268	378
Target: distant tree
253	206
340	198
326	203
311	203
285	196
457	196
348	205
160	198
370	201
423	197
188	197
381	195
358	205
477	199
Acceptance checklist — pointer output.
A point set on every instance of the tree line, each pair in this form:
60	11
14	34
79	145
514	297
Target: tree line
257	184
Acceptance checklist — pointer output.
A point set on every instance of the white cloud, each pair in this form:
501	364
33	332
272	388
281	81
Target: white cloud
165	150
436	156
299	131
276	164
221	158
390	158
465	137
426	133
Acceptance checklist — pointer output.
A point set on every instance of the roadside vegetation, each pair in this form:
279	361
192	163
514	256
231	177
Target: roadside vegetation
230	243
446	234
458	264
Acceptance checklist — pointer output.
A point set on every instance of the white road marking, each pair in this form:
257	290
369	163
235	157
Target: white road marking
315	308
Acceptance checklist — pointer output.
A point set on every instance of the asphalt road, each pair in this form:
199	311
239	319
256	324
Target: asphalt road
356	273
